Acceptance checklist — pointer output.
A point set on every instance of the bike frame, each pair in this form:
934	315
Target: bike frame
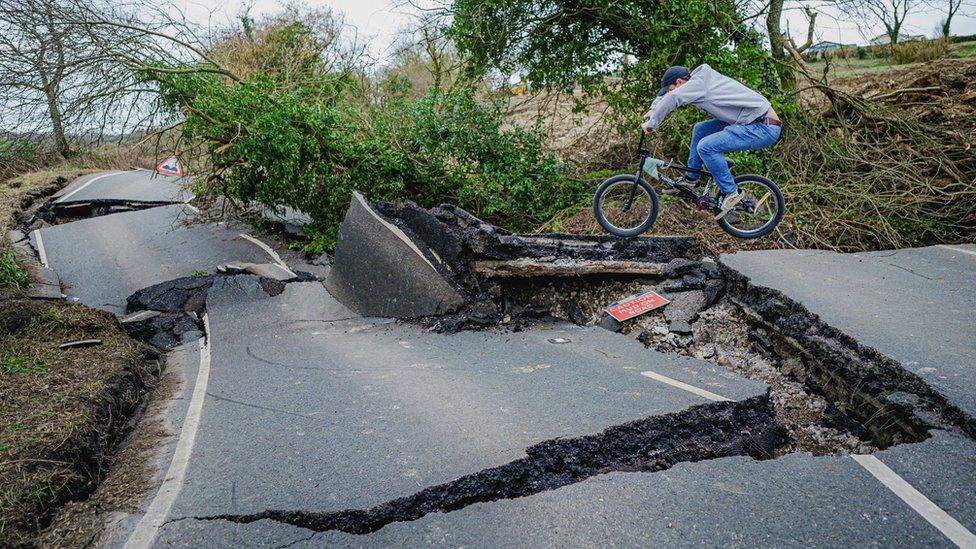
643	154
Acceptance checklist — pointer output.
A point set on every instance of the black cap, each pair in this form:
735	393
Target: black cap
671	76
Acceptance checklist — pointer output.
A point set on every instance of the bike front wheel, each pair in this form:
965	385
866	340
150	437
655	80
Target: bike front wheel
759	211
624	210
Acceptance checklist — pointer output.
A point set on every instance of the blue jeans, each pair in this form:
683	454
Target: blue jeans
712	138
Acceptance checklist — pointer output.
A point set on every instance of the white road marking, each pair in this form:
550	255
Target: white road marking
274	255
87	183
40	248
158	511
950	527
935	515
681	385
955	249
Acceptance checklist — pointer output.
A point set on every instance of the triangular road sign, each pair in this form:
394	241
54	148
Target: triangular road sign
171	166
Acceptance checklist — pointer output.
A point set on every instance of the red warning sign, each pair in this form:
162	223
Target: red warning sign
636	305
171	166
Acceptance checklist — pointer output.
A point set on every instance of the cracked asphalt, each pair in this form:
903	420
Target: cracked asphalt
917	306
296	403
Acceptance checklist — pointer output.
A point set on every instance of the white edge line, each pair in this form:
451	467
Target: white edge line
87	183
40	248
955	249
950	527
192	207
148	527
935	515
274	255
682	385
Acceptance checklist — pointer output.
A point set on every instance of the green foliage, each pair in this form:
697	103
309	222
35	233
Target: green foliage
10	273
308	145
198	273
584	43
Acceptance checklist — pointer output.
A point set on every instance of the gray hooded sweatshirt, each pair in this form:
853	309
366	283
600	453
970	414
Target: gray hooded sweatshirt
723	98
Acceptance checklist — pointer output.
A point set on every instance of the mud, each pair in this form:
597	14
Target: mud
709	431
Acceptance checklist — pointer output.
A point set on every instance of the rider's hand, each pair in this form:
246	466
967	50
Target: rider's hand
646	131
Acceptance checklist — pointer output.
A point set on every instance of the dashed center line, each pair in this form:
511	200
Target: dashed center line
684	386
926	508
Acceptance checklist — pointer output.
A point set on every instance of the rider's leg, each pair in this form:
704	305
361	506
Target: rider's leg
737	137
700	131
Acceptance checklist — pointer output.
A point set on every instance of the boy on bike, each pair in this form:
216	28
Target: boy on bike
741	120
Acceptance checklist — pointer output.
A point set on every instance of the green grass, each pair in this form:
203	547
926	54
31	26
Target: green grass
12	363
10	273
854	66
198	273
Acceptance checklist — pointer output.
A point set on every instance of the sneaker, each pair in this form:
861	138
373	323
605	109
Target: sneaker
727	203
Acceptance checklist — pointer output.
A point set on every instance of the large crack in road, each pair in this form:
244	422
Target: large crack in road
707	431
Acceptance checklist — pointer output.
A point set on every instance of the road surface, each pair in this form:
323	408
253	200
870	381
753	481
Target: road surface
917	306
125	186
103	260
295	403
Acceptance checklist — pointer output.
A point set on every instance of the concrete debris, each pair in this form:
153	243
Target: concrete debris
680	327
563	267
264	270
380	270
685	306
80	343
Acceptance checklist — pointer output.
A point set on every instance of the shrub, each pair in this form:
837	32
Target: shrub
919	50
309	146
10	273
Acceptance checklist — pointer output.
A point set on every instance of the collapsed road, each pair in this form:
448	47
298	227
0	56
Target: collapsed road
310	417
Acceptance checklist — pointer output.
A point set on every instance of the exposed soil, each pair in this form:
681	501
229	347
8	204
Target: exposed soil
64	409
680	217
129	476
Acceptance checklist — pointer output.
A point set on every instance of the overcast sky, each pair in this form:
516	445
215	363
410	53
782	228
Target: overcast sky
376	21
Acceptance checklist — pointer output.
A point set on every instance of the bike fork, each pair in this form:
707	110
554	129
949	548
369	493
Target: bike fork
633	189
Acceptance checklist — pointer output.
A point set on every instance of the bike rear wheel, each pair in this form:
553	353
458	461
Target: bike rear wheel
620	215
759	211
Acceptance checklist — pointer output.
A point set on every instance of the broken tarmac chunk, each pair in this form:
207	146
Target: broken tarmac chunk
685	306
264	270
380	271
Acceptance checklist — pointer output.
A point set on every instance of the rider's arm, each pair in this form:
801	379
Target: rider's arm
691	91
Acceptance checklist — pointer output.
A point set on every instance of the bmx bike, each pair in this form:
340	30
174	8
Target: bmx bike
626	205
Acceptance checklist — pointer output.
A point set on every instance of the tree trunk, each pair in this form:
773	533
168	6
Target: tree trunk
773	28
57	126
